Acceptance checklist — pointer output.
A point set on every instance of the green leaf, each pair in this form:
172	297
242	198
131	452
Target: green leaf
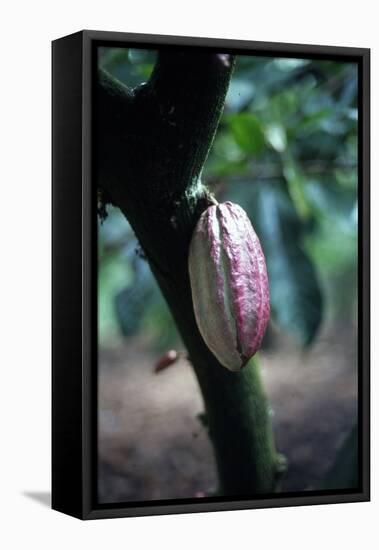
296	185
113	275
131	302
296	297
247	132
276	137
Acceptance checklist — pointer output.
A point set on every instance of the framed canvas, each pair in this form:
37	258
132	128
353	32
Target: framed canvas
210	275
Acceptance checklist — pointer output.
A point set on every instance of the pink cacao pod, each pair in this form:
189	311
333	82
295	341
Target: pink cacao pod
229	284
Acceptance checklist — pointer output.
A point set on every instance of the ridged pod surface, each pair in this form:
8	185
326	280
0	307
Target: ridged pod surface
229	284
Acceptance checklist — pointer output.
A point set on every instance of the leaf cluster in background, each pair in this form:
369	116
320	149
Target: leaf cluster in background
286	151
130	66
129	298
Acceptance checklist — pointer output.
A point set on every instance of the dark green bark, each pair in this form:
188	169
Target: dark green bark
151	145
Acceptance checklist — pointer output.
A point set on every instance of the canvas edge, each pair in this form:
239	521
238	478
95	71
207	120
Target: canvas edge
89	509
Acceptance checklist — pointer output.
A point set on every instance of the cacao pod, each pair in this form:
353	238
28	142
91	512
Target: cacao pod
229	284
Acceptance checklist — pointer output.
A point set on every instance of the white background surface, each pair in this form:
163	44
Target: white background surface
27	29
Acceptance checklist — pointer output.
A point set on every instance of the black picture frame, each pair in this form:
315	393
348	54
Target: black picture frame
74	332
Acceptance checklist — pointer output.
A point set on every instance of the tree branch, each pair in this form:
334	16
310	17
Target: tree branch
152	143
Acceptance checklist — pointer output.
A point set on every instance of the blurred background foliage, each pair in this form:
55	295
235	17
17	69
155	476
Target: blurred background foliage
286	151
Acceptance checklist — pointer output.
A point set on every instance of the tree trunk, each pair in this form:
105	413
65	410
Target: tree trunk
151	145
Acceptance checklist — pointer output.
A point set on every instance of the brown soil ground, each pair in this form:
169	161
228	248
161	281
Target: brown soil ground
153	446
